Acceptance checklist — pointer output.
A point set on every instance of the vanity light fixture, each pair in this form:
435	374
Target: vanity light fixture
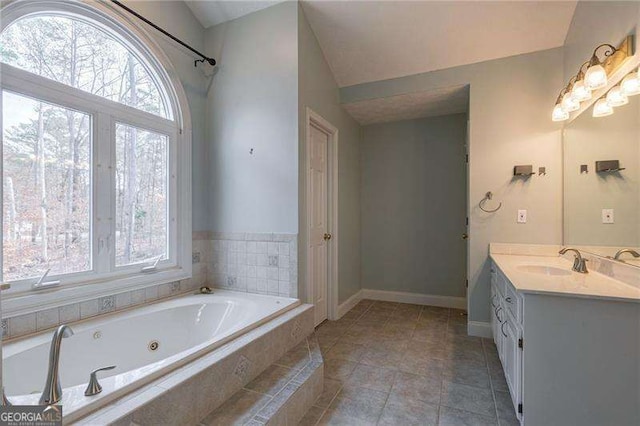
631	84
559	113
616	98
580	92
602	108
593	75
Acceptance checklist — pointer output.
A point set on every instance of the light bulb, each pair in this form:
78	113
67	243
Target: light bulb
616	98
596	77
631	84
580	92
569	104
559	114
602	108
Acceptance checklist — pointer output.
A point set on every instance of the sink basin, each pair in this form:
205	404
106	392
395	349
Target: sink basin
543	270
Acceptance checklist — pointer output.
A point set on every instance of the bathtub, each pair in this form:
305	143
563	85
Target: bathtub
143	343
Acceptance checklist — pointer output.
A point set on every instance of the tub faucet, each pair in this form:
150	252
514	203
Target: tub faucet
579	263
52	392
621	252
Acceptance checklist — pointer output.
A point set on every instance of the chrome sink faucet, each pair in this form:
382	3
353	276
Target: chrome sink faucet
52	392
579	263
621	252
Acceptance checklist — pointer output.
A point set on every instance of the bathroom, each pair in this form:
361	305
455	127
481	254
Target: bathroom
320	212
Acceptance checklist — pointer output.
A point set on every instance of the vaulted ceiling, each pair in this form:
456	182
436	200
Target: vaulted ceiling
367	41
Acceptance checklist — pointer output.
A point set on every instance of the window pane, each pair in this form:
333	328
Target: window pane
79	54
141	195
47	188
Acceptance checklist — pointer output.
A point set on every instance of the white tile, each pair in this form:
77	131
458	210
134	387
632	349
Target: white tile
283	249
263	259
151	293
273	286
123	300
283	274
252	284
69	313
47	318
242	258
23	324
252	259
283	261
262	285
272	273
138	296
89	308
261	272
283	288
252	272
261	247
252	247
272	248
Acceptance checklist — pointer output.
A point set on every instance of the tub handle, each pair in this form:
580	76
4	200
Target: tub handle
94	387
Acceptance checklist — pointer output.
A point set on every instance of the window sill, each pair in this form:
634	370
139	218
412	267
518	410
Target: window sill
34	301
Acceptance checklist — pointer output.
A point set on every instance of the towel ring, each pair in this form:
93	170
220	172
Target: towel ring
488	196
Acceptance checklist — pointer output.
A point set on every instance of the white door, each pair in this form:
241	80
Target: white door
319	236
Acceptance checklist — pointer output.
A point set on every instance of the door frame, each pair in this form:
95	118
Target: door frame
312	118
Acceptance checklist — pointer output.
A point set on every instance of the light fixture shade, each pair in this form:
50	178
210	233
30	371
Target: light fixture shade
580	92
631	84
559	114
616	98
596	77
569	104
602	108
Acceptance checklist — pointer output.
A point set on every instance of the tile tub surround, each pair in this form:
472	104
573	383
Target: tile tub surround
190	393
22	325
281	395
399	364
263	263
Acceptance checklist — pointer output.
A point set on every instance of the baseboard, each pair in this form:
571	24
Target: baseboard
415	298
479	329
346	306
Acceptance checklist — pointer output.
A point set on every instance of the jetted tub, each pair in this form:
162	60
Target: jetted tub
143	343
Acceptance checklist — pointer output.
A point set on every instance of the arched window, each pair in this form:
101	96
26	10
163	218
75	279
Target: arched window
90	126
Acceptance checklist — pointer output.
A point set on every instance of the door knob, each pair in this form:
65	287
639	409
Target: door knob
327	237
465	236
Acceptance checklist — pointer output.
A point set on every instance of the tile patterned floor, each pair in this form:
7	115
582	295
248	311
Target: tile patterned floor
399	364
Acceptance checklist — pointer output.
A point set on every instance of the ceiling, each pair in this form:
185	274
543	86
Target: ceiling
450	100
366	41
214	12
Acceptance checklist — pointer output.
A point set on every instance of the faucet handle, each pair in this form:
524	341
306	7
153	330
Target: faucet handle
94	387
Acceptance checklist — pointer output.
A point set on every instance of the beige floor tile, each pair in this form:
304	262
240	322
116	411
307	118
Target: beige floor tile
506	411
468	373
383	357
371	377
346	350
359	403
468	398
454	417
330	389
339	369
408	412
413	386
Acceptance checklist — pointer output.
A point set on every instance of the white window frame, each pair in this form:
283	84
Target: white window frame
105	278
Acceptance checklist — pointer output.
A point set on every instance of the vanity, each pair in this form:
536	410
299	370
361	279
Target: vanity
569	343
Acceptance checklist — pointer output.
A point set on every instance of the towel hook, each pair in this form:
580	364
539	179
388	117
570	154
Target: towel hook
488	196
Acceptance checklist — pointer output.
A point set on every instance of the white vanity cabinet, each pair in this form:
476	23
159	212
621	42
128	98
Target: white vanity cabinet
568	359
507	332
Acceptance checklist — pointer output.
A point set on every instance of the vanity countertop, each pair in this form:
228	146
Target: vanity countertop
591	285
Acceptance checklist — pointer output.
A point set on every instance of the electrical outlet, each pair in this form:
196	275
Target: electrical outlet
522	216
607	215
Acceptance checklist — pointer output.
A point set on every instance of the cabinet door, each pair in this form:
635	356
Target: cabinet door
511	358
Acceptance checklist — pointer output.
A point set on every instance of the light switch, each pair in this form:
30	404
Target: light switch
522	216
607	215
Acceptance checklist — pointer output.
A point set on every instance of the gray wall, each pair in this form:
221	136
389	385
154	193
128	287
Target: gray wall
253	103
587	140
510	106
319	91
413	192
594	23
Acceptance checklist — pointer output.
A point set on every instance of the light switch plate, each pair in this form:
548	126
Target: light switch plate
522	216
607	215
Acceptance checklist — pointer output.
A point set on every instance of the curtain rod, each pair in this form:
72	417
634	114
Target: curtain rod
211	61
